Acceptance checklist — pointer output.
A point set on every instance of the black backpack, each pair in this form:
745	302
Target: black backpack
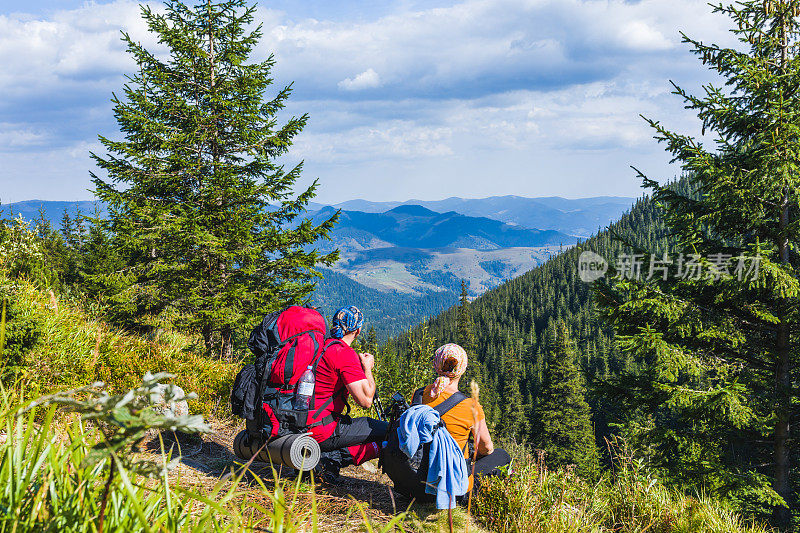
410	475
284	344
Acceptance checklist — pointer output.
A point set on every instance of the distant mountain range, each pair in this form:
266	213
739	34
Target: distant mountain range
418	227
581	217
413	251
53	210
403	261
578	217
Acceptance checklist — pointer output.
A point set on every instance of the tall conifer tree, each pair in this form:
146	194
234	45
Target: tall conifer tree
564	427
466	326
197	200
718	352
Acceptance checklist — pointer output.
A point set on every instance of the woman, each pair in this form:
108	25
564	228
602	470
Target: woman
449	363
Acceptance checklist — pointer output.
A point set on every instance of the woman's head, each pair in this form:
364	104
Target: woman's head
449	363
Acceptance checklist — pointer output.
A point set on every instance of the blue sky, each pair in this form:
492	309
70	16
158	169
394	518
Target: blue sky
407	99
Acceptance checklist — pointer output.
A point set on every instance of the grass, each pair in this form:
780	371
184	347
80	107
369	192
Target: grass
627	500
51	478
69	348
62	471
49	482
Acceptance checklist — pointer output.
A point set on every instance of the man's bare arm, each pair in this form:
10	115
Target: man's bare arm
363	390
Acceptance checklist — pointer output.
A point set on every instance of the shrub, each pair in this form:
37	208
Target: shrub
22	252
60	476
534	499
58	346
22	330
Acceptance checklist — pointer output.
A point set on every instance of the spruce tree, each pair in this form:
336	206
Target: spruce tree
198	203
563	426
717	353
100	264
466	326
370	344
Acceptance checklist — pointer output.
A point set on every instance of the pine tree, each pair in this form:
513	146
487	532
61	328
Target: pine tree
370	344
100	264
564	427
466	326
198	205
513	422
718	353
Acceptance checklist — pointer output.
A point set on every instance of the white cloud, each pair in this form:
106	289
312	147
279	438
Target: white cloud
481	46
368	79
12	137
81	46
476	46
385	140
516	84
640	35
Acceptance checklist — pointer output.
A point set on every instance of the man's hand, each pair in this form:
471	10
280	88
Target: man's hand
367	361
363	390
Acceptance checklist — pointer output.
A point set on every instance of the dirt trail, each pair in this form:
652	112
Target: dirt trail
206	461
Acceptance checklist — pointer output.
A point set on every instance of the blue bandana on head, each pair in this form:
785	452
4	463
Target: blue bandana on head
346	320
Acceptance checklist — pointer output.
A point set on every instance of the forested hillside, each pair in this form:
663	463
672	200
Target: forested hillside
511	322
388	313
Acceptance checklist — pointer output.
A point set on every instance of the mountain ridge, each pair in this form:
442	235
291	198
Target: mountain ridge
579	217
415	226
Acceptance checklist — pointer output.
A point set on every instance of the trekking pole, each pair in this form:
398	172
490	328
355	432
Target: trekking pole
376	402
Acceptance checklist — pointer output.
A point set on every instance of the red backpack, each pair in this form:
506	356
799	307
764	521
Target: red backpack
285	343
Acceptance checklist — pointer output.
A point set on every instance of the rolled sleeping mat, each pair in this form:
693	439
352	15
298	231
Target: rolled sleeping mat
300	451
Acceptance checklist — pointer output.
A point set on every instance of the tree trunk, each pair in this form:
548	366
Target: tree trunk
227	343
208	338
783	414
783	396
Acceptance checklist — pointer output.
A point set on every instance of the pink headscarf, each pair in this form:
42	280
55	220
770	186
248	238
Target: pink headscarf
443	354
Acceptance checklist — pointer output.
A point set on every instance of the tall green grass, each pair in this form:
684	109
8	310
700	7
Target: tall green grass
77	473
533	499
49	481
57	345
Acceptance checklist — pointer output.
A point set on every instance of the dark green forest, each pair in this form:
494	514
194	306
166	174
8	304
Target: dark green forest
697	374
389	314
511	322
509	333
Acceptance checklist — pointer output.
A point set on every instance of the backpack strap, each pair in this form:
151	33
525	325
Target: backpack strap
289	364
289	339
314	364
454	399
327	343
416	399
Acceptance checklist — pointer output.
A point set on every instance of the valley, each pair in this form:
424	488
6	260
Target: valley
404	261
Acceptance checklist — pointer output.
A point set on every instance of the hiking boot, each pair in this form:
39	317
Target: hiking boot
327	470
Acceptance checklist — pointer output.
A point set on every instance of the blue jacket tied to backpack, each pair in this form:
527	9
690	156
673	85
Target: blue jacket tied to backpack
447	469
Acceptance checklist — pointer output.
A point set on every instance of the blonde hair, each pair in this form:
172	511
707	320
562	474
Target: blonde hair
449	363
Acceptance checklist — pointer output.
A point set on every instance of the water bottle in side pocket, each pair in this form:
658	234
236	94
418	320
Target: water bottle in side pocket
304	391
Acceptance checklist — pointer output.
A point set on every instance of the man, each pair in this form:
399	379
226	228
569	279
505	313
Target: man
342	372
